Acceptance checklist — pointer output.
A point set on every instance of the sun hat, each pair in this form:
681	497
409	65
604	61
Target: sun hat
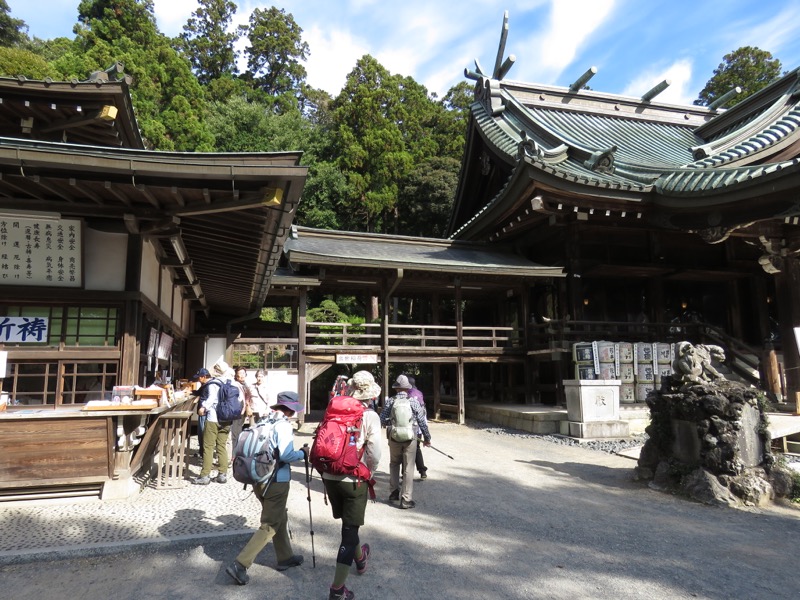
220	368
289	400
402	383
364	386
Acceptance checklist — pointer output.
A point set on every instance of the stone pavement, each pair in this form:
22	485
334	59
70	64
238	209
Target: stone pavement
510	517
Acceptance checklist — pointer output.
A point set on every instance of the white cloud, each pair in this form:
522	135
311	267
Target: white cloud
172	15
334	54
568	27
679	75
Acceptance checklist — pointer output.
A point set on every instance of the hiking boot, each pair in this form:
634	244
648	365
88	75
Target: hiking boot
292	561
221	478
205	480
341	594
407	504
361	565
394	496
238	573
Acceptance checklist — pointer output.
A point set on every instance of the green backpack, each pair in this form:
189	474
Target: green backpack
402	420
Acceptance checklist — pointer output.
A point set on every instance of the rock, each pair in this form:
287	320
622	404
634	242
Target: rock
705	488
753	488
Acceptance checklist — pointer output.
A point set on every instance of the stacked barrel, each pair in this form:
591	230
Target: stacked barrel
639	367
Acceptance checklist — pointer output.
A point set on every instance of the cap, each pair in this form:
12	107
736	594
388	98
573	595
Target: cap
201	373
289	400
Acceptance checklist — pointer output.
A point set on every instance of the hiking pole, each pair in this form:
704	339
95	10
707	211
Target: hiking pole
310	520
440	452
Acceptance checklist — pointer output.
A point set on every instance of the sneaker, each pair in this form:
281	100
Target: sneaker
221	478
409	504
238	573
394	496
292	561
201	480
361	565
424	474
341	594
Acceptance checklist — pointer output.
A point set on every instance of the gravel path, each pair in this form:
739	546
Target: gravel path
512	516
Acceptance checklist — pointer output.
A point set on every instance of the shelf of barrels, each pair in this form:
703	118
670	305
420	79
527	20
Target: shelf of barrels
638	366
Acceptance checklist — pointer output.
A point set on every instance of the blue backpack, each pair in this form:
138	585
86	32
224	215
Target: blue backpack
229	404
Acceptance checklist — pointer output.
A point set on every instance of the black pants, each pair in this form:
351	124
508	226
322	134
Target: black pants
418	460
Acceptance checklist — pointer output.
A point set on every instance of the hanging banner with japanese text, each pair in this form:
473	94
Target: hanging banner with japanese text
23	330
43	252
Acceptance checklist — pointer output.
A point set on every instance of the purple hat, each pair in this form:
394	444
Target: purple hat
289	400
201	373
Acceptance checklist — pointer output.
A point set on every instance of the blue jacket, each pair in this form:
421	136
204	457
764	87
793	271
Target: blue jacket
283	440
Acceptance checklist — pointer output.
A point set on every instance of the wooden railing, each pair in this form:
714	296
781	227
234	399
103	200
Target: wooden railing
411	336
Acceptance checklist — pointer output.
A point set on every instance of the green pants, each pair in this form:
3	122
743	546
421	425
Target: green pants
215	437
273	526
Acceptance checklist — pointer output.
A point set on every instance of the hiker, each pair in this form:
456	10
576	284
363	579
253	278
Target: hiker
402	416
259	399
273	495
416	394
215	433
240	379
348	495
203	376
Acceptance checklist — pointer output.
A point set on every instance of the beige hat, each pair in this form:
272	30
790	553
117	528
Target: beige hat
220	369
402	383
364	386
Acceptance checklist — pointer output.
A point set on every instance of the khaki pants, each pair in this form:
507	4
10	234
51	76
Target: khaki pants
401	456
215	437
273	526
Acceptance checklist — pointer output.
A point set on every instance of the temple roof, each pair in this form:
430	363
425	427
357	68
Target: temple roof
582	149
430	260
97	112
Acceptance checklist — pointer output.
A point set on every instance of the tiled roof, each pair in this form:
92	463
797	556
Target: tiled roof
321	247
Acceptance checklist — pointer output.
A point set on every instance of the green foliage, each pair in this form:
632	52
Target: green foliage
16	61
207	42
168	98
274	54
51	50
325	185
13	32
426	196
327	312
276	314
747	67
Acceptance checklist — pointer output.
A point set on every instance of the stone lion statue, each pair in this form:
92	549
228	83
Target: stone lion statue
693	363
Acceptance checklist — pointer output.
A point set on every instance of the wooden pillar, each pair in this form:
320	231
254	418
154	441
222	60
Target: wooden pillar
787	284
386	385
460	386
734	310
129	346
770	373
437	372
303	384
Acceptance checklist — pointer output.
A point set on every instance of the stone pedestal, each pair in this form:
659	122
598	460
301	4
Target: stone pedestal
593	408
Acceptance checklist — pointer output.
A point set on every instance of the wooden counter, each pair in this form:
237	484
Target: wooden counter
41	447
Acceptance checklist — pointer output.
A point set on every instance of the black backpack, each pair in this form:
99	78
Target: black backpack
229	404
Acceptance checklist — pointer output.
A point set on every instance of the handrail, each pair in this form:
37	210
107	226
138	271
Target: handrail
321	334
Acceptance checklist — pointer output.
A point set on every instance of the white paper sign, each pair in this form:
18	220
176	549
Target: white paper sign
23	329
40	252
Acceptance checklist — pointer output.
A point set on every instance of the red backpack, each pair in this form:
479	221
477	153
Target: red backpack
335	447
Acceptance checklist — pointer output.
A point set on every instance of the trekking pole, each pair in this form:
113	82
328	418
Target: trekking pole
440	452
310	520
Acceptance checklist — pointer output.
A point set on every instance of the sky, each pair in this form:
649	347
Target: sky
633	44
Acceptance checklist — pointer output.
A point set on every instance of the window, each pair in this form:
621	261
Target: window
265	355
60	383
72	325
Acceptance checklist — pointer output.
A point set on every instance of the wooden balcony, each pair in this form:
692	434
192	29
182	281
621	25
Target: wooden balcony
425	340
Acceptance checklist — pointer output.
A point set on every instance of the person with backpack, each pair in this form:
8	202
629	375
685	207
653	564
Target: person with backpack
403	416
273	495
348	493
215	407
416	394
